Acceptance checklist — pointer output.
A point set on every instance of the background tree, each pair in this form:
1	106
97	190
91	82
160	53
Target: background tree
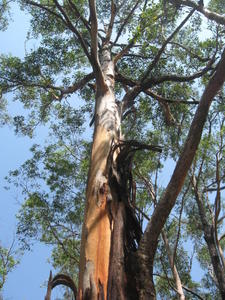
8	260
146	67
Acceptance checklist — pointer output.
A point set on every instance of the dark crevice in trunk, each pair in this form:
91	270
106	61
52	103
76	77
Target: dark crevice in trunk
101	291
117	277
126	229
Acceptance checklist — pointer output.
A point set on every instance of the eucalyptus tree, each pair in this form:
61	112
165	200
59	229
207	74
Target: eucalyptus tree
134	65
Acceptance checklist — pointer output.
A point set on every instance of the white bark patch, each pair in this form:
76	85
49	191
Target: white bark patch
89	287
107	113
99	188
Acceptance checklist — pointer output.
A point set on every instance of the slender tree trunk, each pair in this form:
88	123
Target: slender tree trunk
209	235
221	255
98	223
176	276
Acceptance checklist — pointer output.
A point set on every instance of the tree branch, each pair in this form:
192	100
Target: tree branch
60	279
176	78
94	46
111	23
69	90
74	30
158	55
33	3
126	21
79	15
94	30
201	59
200	8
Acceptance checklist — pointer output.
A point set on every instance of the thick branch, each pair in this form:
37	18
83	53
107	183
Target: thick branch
94	29
211	240
173	267
176	78
162	99
128	99
94	46
77	85
60	279
111	23
69	90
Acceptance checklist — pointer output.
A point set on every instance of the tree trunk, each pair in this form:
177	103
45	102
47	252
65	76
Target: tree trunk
176	276
209	235
98	222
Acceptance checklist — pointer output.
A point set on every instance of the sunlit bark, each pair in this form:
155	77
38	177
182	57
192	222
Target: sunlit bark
97	228
175	273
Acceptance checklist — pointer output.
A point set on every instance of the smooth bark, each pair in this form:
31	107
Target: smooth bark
175	273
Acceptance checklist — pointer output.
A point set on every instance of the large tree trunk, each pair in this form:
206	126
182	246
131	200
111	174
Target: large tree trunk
98	222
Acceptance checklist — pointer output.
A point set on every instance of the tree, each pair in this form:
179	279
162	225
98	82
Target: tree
131	56
7	262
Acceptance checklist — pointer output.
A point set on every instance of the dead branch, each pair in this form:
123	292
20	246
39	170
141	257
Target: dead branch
60	279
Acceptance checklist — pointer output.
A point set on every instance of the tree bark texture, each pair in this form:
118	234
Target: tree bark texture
98	226
110	230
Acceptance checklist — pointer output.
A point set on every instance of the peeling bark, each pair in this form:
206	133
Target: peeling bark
97	228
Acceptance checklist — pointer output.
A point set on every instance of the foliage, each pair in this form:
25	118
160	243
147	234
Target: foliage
8	260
